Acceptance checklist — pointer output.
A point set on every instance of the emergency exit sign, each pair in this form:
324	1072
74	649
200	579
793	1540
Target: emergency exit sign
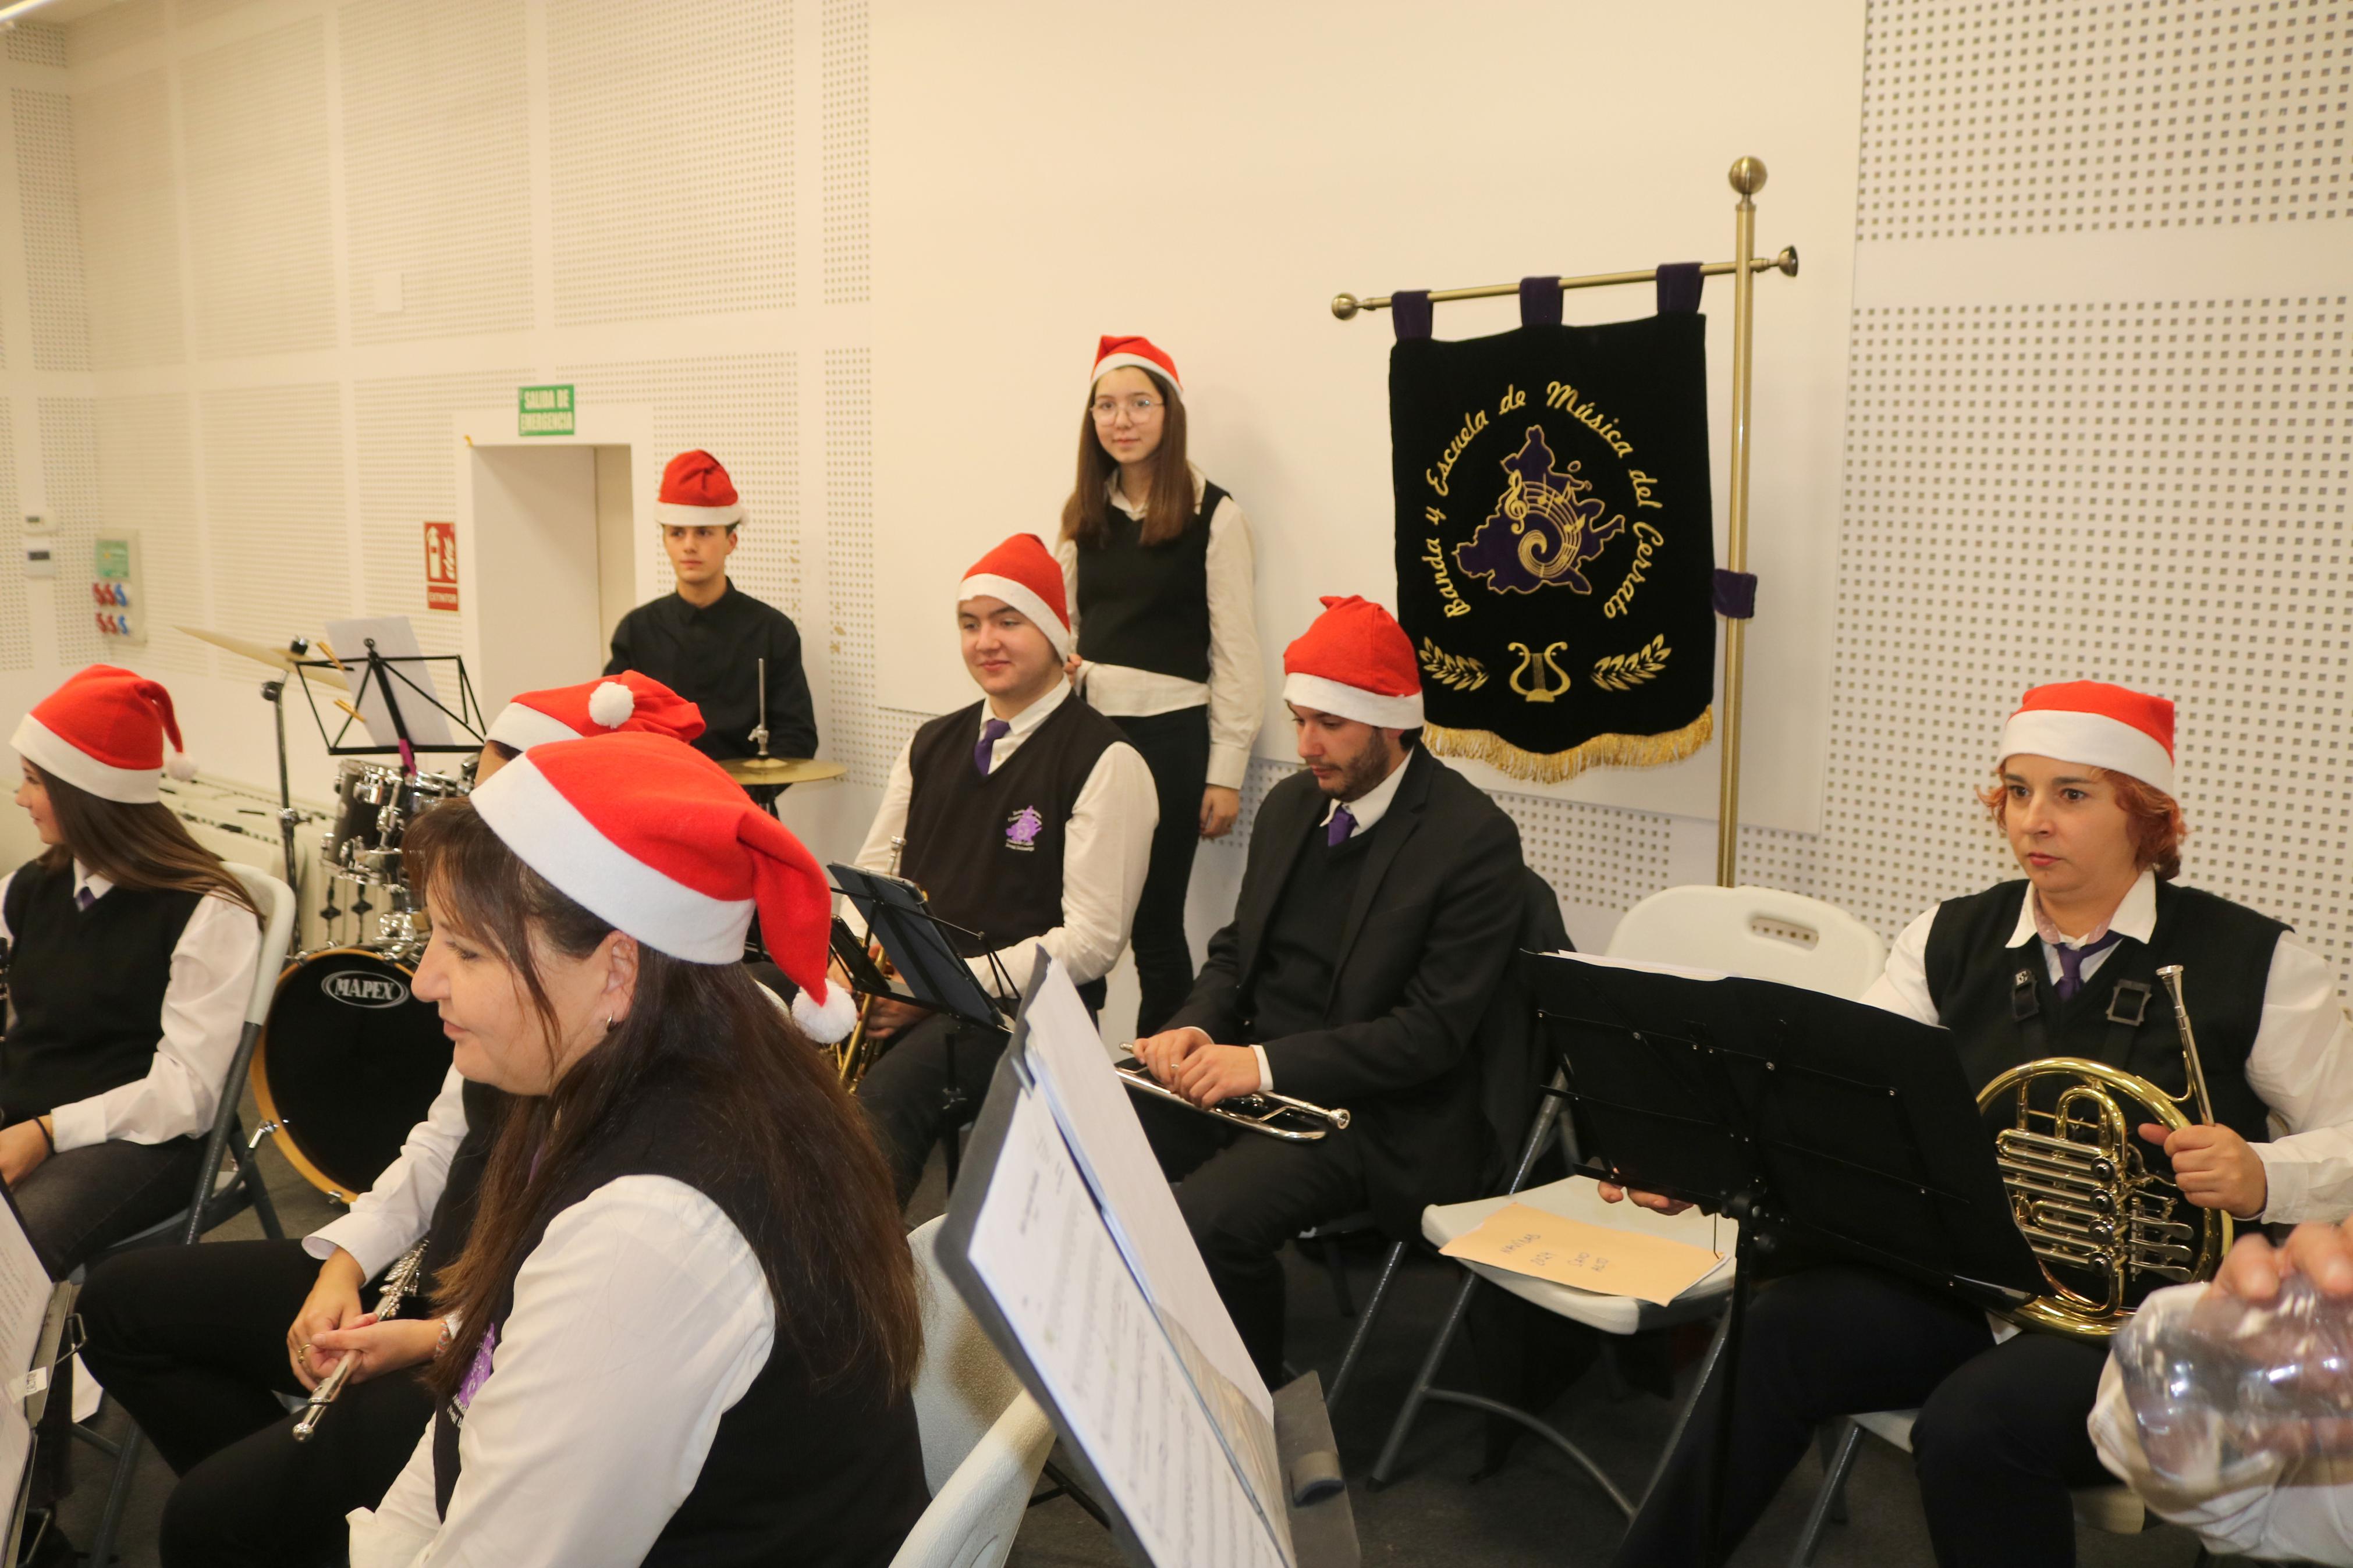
543	410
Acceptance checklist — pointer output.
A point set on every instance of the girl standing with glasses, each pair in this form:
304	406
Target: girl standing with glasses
1156	561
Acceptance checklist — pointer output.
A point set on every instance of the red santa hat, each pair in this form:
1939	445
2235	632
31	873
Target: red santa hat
652	836
1112	352
1025	574
1357	662
103	731
2097	725
625	702
697	493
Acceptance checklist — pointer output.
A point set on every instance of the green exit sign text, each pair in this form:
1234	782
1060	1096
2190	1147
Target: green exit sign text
543	410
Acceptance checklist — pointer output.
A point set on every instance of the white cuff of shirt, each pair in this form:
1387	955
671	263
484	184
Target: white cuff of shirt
78	1125
362	1238
1265	1073
1228	766
2286	1184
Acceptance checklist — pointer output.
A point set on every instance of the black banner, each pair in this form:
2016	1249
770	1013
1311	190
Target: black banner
1554	550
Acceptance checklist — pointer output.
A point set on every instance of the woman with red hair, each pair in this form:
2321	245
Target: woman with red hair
2062	963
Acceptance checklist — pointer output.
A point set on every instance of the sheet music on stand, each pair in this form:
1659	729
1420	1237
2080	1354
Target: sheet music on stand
1080	1286
34	1310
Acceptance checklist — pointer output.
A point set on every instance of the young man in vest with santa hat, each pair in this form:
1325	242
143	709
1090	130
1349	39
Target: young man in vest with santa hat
1028	819
2060	964
1381	901
706	640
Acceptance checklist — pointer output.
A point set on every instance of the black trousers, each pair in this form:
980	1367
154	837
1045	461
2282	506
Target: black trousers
192	1340
1176	747
1243	1194
2000	1438
78	1203
905	1093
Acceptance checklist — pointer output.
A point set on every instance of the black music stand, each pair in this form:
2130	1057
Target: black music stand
933	974
381	671
1813	1121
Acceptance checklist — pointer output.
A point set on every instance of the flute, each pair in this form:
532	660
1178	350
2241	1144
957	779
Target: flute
398	1283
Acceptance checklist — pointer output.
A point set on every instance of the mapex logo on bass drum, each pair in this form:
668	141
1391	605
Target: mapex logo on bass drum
358	988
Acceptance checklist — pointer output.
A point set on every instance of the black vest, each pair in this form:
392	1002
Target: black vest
1147	606
88	987
1291	984
988	851
453	1215
2002	1009
828	1477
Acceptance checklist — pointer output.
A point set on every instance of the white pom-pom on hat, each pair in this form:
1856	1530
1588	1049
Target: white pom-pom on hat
180	767
829	1020
611	704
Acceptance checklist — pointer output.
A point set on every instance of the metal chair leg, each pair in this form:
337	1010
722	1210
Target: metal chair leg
1691	1401
1336	1269
1831	1495
1364	1326
1423	1379
118	1493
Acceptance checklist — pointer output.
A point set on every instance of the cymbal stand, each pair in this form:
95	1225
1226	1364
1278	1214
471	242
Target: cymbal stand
759	735
274	693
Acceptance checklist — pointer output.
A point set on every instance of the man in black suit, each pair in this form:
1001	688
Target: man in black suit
1380	905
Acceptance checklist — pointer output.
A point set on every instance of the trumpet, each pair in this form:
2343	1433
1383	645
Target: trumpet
1276	1115
854	1054
2104	1228
397	1284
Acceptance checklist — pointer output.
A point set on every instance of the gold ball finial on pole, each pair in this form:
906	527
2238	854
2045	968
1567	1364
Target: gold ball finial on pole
1747	175
1344	305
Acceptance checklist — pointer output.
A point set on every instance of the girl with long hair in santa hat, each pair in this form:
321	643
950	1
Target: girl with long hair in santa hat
1156	567
130	957
684	1322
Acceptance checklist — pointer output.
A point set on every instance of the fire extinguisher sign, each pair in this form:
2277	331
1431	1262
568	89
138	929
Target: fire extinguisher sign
440	566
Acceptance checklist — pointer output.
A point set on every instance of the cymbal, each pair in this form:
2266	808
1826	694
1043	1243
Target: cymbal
782	769
278	658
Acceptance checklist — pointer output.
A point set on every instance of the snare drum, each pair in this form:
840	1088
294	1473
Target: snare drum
374	806
347	1063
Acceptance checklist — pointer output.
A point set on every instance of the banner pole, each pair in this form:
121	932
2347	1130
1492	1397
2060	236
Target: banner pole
1747	177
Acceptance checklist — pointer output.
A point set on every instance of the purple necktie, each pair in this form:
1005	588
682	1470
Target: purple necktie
1336	832
84	897
2071	963
991	733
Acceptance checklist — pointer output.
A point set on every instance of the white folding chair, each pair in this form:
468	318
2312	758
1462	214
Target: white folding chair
216	1198
1758	932
985	1440
2117	1509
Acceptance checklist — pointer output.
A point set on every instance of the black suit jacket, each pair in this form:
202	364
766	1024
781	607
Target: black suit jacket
1436	917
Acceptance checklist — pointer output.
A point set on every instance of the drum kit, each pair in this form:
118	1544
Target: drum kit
349	1059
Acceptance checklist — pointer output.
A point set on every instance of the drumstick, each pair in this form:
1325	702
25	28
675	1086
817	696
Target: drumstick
323	645
352	711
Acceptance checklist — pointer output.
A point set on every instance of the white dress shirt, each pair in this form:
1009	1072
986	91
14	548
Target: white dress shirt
2306	1517
2301	1063
1106	848
1234	692
641	1319
203	1015
394	1215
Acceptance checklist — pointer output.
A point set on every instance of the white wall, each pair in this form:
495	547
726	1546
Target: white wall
1211	175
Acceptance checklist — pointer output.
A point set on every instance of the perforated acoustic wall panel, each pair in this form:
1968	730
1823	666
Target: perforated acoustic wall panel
846	32
67	430
112	29
274	493
857	731
670	153
147	481
253	117
46	196
16	630
437	158
36	44
2038	118
407	476
130	222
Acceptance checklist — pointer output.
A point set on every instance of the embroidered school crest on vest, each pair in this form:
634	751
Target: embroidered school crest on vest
1021	830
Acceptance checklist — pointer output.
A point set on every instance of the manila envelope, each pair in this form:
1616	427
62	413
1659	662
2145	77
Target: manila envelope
1525	1240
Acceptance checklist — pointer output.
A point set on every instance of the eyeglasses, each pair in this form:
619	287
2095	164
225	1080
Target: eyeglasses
1139	408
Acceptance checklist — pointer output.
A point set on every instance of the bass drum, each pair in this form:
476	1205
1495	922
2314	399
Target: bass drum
348	1062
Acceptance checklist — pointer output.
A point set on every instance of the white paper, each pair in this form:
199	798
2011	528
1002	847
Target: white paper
16	1452
395	639
1097	1116
1041	1248
25	1290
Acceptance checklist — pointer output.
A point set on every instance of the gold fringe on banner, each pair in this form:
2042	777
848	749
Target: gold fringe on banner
1557	767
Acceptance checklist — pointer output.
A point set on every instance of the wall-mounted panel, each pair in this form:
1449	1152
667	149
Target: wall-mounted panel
253	118
51	229
36	44
436	167
111	29
671	149
274	500
130	222
845	29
